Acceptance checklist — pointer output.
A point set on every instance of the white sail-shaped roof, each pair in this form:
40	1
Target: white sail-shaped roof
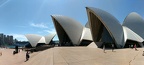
49	38
130	35
69	26
136	23
86	34
97	16
42	40
33	39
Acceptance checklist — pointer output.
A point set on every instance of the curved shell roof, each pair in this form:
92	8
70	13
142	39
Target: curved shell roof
71	27
42	40
49	37
129	34
33	39
111	23
135	22
86	34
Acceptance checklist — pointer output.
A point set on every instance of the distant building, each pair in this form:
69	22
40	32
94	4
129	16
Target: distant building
6	39
1	39
9	39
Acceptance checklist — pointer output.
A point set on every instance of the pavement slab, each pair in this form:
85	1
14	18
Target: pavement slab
75	56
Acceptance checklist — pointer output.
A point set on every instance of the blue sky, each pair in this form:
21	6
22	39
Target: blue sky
20	17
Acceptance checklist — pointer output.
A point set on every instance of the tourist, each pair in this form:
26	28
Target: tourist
27	56
132	46
0	53
104	48
13	52
22	49
135	47
112	47
143	53
19	50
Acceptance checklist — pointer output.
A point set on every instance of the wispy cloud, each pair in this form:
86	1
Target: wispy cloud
39	25
50	31
19	37
3	2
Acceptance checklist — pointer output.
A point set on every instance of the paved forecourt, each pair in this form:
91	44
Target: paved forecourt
87	56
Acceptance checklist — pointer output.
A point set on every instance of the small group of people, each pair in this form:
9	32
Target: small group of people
26	55
112	46
133	46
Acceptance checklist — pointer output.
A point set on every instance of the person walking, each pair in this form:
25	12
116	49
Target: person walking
143	53
27	56
135	47
112	47
104	48
0	53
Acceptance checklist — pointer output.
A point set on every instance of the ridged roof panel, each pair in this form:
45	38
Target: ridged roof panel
33	39
49	37
72	27
135	22
111	24
130	35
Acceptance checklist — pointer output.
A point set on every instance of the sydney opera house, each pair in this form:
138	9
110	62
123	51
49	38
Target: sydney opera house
102	28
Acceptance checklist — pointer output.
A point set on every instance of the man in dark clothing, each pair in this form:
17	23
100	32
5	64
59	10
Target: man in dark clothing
27	56
112	47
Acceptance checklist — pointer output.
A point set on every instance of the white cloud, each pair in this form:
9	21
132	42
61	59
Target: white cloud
50	31
3	2
39	25
19	37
